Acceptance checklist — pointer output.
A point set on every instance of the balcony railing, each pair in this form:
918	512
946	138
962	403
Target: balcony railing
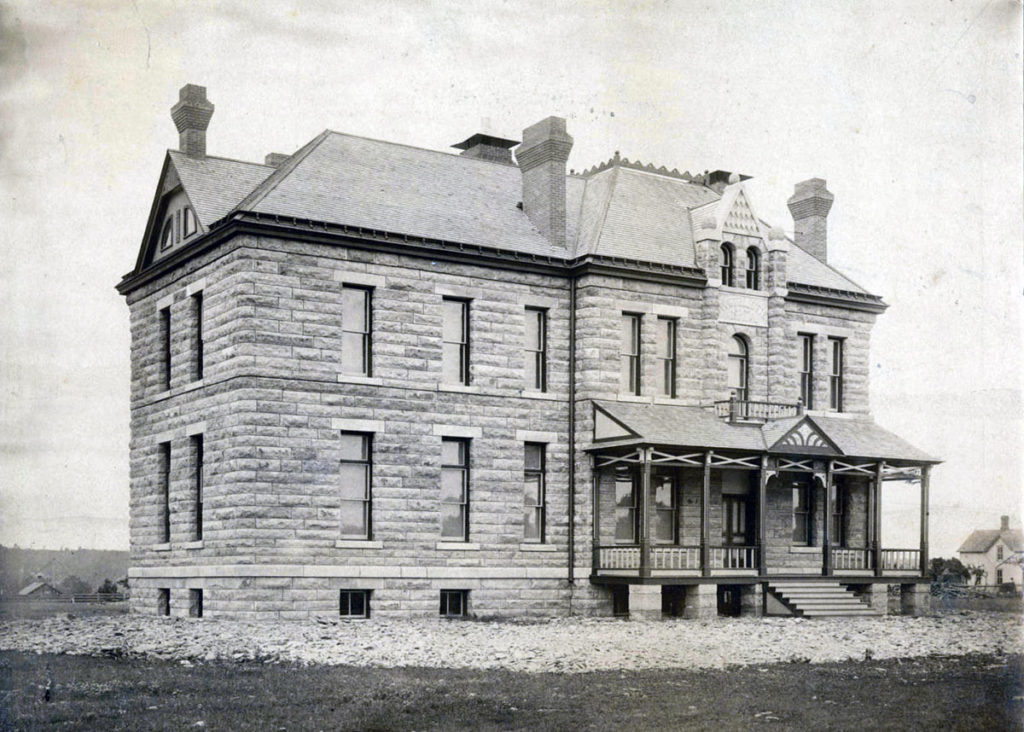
852	559
748	410
733	557
675	557
908	559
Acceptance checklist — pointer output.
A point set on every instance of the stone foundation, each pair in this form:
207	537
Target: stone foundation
645	602
916	599
701	602
752	601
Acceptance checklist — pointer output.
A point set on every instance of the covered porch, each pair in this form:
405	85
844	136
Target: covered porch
681	498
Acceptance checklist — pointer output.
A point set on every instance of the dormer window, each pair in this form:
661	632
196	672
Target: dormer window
167	237
727	279
188	223
753	269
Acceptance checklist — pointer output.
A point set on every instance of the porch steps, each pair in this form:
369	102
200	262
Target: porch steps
820	599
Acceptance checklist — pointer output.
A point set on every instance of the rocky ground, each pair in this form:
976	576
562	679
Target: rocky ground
564	645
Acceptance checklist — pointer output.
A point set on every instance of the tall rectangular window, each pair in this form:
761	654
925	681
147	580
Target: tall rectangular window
629	354
801	514
807	370
536	349
663	499
455	488
455	341
356	476
533	492
165	492
165	346
625	507
835	380
197	451
356	330
195	603
837	537
667	356
197	309
163	601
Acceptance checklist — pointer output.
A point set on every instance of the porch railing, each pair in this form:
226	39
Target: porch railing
909	559
852	559
619	557
733	557
675	557
748	409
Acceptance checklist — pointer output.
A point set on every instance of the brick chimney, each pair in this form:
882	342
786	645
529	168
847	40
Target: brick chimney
191	116
1004	523
810	204
542	157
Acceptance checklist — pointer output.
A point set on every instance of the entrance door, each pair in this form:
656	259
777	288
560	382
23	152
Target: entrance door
734	520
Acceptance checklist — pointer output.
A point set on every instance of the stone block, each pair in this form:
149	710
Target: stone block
701	602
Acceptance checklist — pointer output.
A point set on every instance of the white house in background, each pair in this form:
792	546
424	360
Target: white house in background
997	551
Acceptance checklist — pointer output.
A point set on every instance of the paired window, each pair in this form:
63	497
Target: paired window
667	356
455	341
625	506
454	603
165	492
739	368
163	601
195	603
835	380
663	499
807	370
356	474
536	349
198	479
356	329
197	312
534	469
455	488
727	276
178	226
165	346
629	353
801	514
354	604
753	269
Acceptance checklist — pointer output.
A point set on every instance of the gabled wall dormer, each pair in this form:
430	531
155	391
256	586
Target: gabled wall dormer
176	224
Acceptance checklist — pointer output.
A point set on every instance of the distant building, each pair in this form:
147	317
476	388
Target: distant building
368	375
38	590
997	551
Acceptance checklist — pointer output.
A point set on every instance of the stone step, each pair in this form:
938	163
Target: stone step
821	599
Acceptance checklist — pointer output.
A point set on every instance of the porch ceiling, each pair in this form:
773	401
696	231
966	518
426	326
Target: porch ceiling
818	435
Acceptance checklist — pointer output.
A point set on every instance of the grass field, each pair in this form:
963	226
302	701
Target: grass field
44	609
965	693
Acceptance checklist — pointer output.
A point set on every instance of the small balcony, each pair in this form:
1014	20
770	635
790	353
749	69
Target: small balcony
750	410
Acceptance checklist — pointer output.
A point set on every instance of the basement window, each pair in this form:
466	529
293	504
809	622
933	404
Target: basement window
163	601
454	603
354	604
195	603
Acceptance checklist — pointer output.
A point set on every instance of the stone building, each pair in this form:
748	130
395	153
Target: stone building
373	378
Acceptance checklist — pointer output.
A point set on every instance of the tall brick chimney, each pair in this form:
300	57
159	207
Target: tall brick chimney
542	157
810	204
191	116
1004	523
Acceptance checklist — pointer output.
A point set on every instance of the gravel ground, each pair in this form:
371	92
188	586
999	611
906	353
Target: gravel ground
561	645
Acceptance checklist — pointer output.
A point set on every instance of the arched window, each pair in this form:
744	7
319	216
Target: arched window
739	367
188	223
753	269
167	237
727	278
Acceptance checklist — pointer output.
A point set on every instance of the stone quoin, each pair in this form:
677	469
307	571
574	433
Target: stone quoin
373	379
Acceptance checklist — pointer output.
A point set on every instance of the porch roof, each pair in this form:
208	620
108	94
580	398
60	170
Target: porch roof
845	436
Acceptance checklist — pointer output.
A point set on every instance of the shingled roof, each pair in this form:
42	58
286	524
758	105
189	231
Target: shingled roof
619	209
981	541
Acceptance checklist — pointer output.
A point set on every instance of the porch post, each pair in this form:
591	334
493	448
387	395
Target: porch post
705	516
826	529
596	507
925	471
645	519
762	518
876	518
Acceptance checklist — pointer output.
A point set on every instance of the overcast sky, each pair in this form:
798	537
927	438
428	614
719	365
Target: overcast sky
910	110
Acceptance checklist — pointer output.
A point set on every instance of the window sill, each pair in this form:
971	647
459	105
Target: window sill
164	547
459	388
538	548
675	401
633	398
358	544
744	290
805	550
192	544
457	546
546	395
357	379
